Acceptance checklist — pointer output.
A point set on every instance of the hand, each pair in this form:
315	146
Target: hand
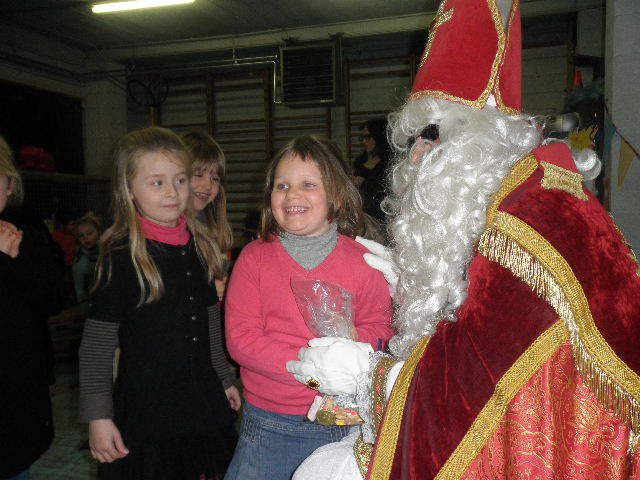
10	238
105	441
335	363
381	259
221	286
234	397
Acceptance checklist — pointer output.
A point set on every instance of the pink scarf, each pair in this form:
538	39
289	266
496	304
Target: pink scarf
178	235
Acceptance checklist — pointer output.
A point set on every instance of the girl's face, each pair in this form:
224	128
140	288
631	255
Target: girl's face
205	185
87	235
6	188
160	188
298	199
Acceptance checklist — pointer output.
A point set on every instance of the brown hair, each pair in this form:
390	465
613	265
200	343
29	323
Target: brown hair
344	202
126	231
8	168
205	152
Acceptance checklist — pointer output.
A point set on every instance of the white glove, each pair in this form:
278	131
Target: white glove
381	259
334	363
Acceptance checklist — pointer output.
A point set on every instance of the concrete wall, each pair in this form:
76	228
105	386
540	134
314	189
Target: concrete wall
591	32
622	95
105	120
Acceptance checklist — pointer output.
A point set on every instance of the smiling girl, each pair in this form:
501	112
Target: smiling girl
310	215
167	416
210	205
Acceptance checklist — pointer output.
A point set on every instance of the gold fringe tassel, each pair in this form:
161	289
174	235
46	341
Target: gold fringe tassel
498	247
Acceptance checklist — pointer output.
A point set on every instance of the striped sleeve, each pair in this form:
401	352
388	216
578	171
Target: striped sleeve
97	348
219	360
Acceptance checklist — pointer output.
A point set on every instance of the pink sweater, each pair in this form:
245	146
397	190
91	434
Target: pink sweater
265	328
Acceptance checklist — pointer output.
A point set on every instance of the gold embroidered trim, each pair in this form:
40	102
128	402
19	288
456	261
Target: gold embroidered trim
494	410
380	375
388	436
361	448
481	101
518	247
442	17
559	178
362	451
520	172
496	90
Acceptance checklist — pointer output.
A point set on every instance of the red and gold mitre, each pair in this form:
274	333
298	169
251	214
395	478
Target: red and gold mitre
473	51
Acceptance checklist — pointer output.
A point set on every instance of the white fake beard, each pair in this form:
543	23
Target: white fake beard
439	204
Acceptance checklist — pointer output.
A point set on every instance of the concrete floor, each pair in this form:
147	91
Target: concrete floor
68	458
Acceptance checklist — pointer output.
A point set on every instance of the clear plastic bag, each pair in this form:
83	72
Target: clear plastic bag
327	310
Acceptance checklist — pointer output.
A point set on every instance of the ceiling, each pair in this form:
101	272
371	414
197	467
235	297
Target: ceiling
73	23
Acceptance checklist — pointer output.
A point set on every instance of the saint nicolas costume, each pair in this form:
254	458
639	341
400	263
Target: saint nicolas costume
539	377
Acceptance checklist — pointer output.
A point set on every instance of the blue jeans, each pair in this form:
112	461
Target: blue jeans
273	445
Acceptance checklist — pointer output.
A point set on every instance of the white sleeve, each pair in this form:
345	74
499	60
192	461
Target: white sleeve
391	378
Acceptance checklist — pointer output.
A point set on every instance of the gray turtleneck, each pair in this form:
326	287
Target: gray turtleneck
310	252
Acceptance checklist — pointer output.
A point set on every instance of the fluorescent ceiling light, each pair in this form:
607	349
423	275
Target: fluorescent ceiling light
134	5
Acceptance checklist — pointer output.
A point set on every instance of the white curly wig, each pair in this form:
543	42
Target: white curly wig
438	204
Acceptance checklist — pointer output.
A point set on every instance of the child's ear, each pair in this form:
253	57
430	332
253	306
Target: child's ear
10	183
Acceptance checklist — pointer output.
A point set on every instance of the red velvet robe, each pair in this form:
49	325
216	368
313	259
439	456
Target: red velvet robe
539	376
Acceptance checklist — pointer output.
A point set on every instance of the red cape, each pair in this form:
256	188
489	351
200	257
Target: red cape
552	272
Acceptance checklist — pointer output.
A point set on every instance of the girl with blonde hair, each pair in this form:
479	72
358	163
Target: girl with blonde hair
166	416
210	206
208	167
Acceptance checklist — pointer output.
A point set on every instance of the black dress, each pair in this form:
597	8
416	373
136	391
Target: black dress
30	291
168	402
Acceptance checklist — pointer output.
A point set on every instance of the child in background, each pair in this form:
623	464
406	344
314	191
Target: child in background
210	205
209	197
88	229
167	416
311	213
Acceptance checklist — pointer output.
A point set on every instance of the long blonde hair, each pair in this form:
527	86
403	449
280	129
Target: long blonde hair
206	152
126	231
8	168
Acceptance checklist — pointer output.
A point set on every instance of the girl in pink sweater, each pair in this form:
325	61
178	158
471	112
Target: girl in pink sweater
310	215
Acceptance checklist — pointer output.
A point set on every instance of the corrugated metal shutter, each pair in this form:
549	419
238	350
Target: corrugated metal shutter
185	106
240	124
375	88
